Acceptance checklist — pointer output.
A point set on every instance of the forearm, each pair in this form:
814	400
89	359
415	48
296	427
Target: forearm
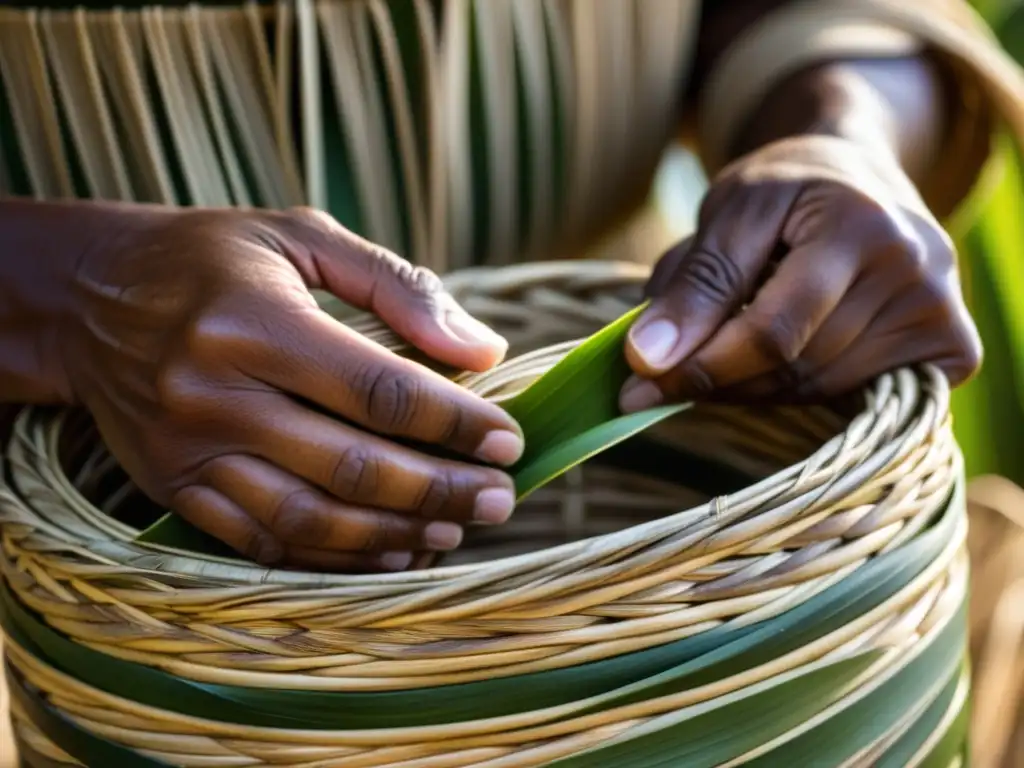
897	106
40	246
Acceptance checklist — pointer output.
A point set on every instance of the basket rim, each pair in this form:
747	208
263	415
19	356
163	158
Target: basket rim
925	381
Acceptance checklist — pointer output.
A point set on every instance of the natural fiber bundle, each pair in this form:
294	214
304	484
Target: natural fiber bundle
805	607
441	129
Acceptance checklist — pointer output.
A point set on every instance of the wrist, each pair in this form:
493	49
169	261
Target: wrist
826	101
44	246
895	109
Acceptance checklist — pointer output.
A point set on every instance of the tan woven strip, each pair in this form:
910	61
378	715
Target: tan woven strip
453	93
311	109
112	35
408	152
165	40
199	55
284	49
582	26
236	62
278	114
616	63
347	43
23	69
222	77
84	104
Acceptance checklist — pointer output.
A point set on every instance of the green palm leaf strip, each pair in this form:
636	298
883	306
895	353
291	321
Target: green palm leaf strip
719	653
568	415
727	728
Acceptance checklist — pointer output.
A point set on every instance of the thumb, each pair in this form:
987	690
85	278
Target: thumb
704	282
411	300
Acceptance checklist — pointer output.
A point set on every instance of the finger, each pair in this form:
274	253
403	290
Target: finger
309	354
714	278
217	515
864	301
212	512
411	300
299	515
881	349
869	295
666	267
369	471
768	336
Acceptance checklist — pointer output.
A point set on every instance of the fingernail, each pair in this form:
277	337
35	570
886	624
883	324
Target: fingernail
396	561
500	446
639	395
469	329
655	340
494	506
442	536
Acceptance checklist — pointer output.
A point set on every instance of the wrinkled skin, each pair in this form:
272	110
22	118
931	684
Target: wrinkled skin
229	396
815	268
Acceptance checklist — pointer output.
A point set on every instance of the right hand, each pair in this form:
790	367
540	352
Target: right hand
230	397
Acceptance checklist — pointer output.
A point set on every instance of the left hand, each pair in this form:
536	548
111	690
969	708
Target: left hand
815	268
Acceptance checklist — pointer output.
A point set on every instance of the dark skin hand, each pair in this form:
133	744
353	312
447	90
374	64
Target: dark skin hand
193	339
816	266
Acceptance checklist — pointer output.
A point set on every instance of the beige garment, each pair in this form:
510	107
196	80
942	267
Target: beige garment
991	85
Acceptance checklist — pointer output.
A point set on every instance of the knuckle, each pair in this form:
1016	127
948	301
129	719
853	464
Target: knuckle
377	534
969	353
177	390
713	275
371	538
971	356
918	257
356	475
390	399
775	336
262	548
793	376
420	281
437	494
308	216
454	427
694	380
211	337
297	518
913	255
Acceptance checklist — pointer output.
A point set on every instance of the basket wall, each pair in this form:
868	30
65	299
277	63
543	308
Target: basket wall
735	585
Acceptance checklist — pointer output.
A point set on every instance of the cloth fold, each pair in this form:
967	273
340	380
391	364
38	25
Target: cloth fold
990	83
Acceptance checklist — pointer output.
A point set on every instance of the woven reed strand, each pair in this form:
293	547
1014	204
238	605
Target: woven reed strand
832	496
904	625
635	572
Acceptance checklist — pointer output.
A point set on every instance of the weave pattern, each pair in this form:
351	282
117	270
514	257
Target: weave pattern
614	559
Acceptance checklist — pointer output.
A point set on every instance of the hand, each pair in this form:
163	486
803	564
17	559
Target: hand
815	268
228	395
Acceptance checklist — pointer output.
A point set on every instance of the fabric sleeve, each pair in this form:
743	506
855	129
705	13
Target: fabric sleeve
990	85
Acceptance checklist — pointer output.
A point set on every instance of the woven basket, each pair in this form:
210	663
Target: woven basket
735	586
